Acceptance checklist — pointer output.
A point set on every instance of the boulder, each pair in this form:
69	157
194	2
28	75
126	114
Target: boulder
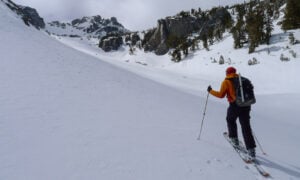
111	42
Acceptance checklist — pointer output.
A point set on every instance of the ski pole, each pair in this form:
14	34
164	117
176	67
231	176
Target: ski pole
203	117
264	153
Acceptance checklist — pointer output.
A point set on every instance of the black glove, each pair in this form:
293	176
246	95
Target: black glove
209	88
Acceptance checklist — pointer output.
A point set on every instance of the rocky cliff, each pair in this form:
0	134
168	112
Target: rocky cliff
176	28
29	15
93	26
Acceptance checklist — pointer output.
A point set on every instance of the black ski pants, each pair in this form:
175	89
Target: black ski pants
243	113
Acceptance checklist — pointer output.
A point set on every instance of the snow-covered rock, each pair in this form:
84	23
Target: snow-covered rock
29	15
94	26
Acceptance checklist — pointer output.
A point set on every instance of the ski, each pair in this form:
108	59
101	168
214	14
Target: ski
242	152
261	171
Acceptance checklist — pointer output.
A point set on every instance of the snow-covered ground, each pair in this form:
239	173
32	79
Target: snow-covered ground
195	72
68	114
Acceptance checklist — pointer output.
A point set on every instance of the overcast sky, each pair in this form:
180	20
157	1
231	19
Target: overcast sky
133	14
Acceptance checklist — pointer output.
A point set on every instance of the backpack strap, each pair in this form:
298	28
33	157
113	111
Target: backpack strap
241	88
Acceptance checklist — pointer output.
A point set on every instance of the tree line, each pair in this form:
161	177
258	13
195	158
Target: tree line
253	26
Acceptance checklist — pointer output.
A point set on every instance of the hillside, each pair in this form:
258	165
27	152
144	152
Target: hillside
202	67
71	112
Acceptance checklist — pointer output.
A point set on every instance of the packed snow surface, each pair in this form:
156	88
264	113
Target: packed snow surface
69	111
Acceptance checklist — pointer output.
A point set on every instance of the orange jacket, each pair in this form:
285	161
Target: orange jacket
226	89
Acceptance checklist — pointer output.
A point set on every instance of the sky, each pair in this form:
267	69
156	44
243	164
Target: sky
133	14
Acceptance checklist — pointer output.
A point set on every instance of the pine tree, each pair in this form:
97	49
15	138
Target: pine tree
218	34
193	12
268	30
204	39
292	15
268	25
238	31
255	27
185	48
210	35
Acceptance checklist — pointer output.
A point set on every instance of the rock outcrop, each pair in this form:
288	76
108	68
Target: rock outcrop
111	42
181	26
94	26
29	15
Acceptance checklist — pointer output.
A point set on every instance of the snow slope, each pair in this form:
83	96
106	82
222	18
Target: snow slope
198	70
65	114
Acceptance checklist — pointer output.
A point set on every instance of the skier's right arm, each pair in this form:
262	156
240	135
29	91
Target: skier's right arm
222	92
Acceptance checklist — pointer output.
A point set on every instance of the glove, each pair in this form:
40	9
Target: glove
209	88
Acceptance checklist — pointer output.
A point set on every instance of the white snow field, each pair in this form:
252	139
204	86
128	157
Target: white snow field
68	114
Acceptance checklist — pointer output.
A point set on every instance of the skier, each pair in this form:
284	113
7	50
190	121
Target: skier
234	112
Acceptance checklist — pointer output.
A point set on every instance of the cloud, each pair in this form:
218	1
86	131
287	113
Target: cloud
72	7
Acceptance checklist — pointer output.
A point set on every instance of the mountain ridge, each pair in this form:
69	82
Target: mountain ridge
177	35
92	26
29	15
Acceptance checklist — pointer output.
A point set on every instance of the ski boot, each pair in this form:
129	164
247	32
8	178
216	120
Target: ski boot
235	142
252	154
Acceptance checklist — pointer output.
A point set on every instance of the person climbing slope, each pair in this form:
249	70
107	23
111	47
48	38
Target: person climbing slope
235	111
